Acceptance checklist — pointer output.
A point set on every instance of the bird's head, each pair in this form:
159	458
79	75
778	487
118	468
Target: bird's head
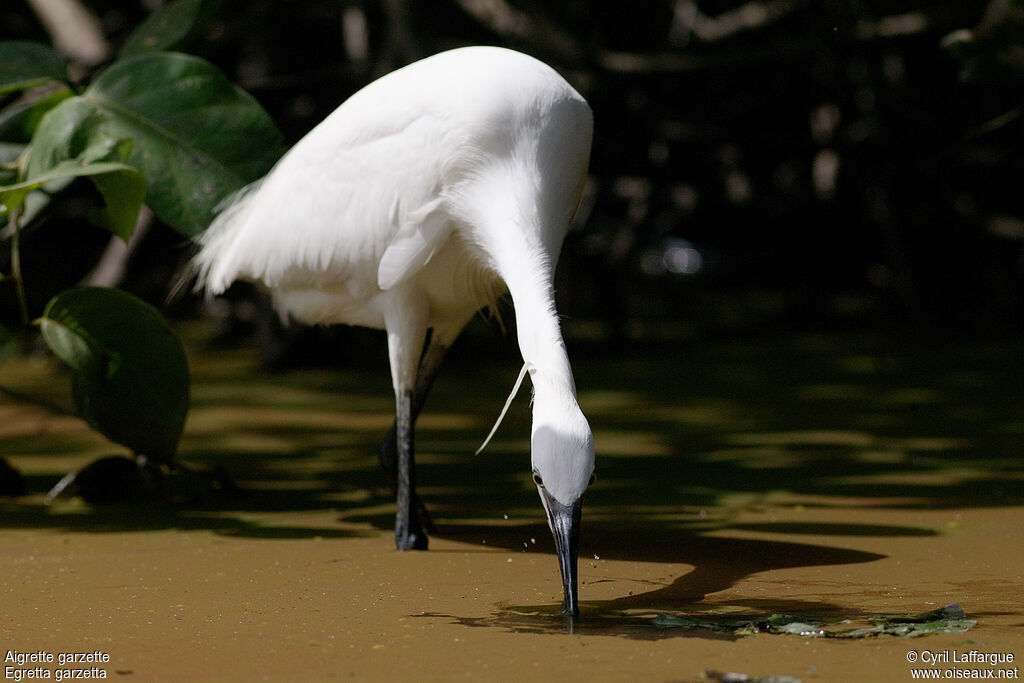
562	455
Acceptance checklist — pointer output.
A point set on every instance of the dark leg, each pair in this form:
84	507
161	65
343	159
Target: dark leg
389	451
389	461
409	534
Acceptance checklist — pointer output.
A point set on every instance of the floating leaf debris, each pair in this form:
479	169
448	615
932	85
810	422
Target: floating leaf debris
948	619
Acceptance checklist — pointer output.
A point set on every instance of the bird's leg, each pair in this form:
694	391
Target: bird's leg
429	365
409	534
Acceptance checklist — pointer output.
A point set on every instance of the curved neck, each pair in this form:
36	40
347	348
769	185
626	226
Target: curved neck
538	331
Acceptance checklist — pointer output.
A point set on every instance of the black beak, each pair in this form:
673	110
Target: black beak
564	521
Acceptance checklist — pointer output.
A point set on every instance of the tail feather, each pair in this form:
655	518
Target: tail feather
215	267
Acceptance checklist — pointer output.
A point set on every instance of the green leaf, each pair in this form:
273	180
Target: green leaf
121	186
172	27
197	136
25	64
19	121
131	378
948	619
9	154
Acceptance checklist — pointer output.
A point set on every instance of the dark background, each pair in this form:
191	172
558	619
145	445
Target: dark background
756	165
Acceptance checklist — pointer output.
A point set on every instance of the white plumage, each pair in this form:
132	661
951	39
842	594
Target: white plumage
419	201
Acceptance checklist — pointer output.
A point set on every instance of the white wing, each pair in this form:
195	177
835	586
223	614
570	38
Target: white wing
358	192
369	196
420	235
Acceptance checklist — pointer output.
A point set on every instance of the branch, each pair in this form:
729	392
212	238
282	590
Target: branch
75	31
509	22
112	265
777	47
687	18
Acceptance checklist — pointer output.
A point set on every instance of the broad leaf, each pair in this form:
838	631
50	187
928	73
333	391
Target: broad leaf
122	187
35	201
19	121
9	153
197	136
131	378
25	64
172	27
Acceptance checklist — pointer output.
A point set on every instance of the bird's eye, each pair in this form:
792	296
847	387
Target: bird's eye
537	480
593	478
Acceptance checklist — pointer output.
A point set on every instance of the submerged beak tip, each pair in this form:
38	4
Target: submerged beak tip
564	521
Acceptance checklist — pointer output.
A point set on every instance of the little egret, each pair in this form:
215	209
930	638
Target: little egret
421	200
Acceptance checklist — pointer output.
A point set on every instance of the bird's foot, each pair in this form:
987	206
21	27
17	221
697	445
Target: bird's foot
410	539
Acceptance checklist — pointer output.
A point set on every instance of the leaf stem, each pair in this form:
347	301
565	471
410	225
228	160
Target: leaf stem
19	284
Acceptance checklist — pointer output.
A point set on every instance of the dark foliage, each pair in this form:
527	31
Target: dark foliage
755	162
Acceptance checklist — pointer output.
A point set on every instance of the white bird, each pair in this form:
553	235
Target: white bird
422	199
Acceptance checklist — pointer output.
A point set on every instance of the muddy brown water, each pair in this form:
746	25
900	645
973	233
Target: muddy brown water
833	478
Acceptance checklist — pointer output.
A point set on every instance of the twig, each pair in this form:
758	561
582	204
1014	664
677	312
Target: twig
75	31
19	283
499	16
746	17
114	262
536	29
995	124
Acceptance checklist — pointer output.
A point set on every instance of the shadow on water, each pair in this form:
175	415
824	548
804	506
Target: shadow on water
589	623
717	564
134	517
687	435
